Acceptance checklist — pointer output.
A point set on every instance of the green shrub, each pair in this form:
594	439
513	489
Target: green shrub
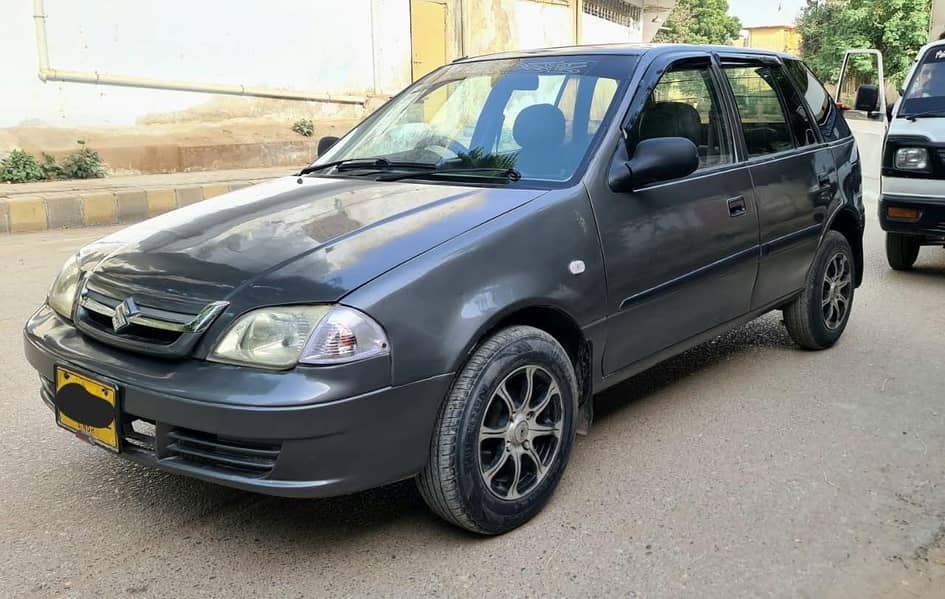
304	127
84	163
20	167
51	170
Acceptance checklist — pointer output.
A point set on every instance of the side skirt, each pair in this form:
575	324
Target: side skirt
674	350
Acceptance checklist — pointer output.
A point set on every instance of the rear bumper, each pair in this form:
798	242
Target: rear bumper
931	222
312	445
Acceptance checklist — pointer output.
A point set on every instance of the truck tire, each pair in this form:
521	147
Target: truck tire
504	434
901	250
818	316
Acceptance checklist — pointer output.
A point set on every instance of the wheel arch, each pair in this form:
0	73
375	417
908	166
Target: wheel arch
558	323
848	223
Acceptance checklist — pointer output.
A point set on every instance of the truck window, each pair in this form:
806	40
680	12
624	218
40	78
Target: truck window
926	90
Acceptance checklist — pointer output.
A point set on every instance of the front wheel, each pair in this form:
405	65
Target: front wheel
504	434
818	316
901	250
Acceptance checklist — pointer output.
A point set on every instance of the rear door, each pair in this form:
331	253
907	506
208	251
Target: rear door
793	171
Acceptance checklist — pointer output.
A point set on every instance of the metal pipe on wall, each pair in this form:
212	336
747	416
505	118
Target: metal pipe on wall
46	73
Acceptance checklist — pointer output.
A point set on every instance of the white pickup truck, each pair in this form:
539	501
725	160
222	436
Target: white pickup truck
912	200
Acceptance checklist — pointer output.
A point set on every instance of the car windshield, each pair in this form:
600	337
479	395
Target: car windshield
926	92
537	115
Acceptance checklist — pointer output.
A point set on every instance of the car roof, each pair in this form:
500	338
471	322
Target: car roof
622	50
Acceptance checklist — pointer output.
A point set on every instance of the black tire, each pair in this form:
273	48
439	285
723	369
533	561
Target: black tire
810	322
901	250
452	483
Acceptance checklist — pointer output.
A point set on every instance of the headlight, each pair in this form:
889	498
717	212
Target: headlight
283	337
912	159
61	297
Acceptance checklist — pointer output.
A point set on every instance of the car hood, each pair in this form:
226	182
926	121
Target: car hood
289	240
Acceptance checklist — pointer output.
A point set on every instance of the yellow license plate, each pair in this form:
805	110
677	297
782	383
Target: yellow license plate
87	407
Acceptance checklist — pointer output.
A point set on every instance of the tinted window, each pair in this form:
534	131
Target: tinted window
685	103
797	113
831	124
764	122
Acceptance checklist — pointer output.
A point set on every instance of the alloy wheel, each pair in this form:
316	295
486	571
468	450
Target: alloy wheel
837	290
520	432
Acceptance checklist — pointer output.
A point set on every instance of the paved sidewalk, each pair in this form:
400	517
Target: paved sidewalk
75	203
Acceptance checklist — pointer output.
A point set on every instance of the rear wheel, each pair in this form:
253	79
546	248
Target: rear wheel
818	316
901	250
504	434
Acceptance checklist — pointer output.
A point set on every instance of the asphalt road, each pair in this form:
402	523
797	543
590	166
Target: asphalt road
745	467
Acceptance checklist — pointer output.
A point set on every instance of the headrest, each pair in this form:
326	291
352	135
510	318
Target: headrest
539	125
671	119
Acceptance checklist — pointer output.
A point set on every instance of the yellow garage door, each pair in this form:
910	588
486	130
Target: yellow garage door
427	35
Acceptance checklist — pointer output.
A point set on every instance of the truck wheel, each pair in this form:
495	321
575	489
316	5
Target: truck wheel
901	250
818	316
504	433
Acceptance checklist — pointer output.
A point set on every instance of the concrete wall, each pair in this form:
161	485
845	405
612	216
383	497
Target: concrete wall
938	20
595	30
497	25
351	47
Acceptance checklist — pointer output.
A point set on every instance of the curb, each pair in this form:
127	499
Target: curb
30	213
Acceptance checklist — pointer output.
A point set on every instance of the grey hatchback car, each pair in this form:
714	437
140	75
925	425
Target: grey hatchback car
440	295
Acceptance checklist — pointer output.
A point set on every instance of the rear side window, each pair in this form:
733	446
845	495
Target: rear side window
763	118
831	124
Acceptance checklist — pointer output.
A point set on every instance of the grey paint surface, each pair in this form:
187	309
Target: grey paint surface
744	467
662	271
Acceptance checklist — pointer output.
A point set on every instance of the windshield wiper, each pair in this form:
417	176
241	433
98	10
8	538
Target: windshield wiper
496	172
356	163
931	114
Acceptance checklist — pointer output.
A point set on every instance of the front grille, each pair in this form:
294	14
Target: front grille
941	155
140	434
144	326
248	458
137	332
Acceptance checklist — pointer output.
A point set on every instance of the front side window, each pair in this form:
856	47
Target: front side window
538	115
685	103
764	122
926	90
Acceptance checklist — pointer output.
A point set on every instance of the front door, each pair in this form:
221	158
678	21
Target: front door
681	256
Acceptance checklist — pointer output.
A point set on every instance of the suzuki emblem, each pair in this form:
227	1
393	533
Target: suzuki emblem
123	314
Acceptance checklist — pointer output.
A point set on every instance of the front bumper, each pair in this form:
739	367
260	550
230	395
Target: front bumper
309	432
931	223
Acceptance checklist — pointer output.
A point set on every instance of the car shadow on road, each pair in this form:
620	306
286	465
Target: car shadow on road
767	332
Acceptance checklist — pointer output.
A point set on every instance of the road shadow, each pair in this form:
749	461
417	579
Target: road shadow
767	332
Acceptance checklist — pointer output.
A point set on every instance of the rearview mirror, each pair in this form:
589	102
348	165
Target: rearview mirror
867	98
655	160
325	143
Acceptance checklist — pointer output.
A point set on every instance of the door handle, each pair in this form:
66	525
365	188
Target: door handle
737	207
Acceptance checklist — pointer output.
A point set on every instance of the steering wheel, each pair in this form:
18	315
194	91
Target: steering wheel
441	141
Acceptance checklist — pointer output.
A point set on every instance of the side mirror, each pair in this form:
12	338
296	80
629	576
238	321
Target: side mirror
655	160
325	143
867	98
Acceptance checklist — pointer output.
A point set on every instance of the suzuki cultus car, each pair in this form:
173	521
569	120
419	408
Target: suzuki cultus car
440	295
